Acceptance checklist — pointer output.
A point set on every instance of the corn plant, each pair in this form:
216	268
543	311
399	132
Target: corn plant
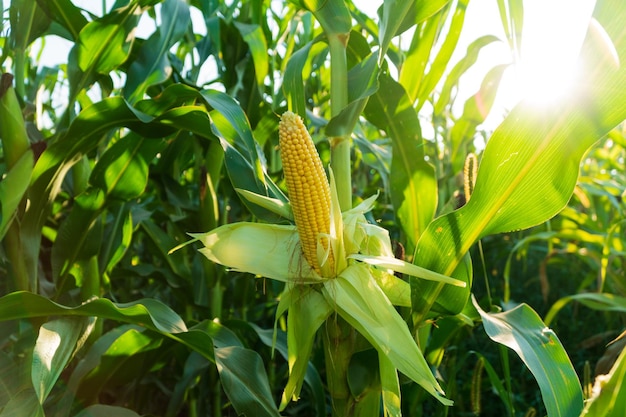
283	237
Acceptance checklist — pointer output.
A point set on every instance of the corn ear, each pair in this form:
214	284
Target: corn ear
309	191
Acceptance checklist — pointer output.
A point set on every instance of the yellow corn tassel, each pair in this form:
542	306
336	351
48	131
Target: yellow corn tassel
309	192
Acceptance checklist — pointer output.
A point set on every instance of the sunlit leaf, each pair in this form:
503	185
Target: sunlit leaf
528	169
57	341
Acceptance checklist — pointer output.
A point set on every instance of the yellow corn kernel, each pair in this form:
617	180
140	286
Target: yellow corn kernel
309	192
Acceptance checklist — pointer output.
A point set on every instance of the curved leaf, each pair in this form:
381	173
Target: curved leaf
522	330
529	167
237	367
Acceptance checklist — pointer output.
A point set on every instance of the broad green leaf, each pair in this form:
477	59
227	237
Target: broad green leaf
122	171
23	404
57	342
104	44
237	367
609	395
413	182
152	64
66	14
76	237
12	188
540	349
277	339
28	22
147	312
360	302
114	353
399	15
17	395
529	167
253	35
595	301
101	410
333	15
267	250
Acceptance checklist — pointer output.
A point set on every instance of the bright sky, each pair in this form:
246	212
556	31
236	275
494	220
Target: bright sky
553	33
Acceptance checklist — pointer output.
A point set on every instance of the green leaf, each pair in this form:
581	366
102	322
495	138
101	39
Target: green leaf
152	65
522	330
475	112
362	83
399	15
413	182
104	44
76	235
293	85
28	22
237	368
255	38
56	343
100	410
390	387
307	312
66	14
150	313
610	401
360	302
529	167
595	301
122	171
17	395
460	68
440	63
12	188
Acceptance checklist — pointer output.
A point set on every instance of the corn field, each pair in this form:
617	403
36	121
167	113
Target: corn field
304	208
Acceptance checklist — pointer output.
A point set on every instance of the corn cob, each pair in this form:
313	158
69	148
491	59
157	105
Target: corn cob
309	192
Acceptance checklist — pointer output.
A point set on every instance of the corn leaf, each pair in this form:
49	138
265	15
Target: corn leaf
152	64
360	302
56	343
595	301
540	349
12	188
610	401
396	16
413	182
237	367
529	167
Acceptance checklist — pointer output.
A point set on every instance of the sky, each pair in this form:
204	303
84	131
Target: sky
553	33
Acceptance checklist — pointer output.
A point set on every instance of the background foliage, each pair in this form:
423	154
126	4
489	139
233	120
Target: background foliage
98	318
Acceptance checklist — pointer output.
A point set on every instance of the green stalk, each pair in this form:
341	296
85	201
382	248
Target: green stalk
339	341
339	337
340	146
